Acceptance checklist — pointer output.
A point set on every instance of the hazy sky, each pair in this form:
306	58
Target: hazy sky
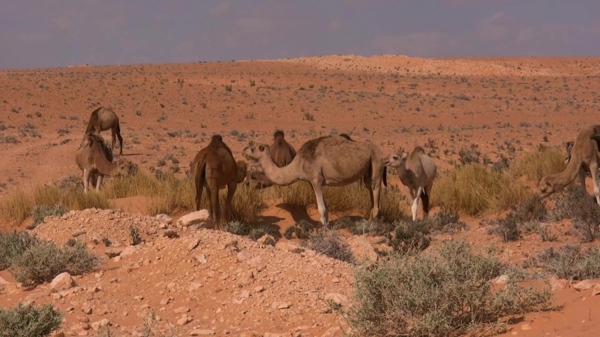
55	33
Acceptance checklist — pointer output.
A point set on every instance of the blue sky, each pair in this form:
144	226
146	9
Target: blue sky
56	33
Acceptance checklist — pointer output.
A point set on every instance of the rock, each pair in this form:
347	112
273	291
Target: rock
193	218
270	334
584	285
201	258
267	240
243	255
281	305
202	332
184	320
164	219
525	327
181	310
556	283
100	323
128	251
336	298
596	289
501	279
193	243
62	281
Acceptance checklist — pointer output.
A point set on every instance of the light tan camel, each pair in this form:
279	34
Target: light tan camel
584	157
95	159
330	160
282	154
103	119
417	172
214	168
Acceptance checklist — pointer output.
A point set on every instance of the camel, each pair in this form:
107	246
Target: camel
103	119
329	160
282	154
95	159
583	157
214	168
417	171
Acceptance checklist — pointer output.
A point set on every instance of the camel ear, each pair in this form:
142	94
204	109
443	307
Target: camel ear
403	155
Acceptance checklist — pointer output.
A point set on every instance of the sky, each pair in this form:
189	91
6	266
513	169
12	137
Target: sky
58	33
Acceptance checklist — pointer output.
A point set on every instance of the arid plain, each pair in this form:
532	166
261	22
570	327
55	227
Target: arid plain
493	108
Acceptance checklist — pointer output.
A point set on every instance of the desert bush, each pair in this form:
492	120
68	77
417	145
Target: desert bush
568	261
42	261
537	164
410	237
16	207
42	211
445	221
301	230
521	215
29	321
474	190
237	228
329	242
134	233
576	204
436	294
13	245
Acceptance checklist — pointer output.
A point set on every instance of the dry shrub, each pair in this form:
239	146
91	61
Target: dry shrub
575	203
537	164
474	190
17	207
568	262
29	320
442	294
330	243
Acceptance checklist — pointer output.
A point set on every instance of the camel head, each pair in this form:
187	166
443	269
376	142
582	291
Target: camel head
256	151
396	160
548	185
242	171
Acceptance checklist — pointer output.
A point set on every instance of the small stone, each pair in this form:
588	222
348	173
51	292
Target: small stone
62	281
584	285
281	305
193	218
184	320
164	219
193	244
525	327
202	332
181	310
501	279
267	240
201	258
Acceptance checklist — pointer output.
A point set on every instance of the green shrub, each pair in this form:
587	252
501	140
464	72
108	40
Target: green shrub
42	261
29	321
568	262
13	245
436	294
329	242
40	213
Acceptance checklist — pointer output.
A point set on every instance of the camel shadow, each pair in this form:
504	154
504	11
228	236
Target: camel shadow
298	213
268	223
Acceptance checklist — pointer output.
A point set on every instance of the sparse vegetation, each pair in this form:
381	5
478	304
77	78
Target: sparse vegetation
441	294
29	320
568	262
329	242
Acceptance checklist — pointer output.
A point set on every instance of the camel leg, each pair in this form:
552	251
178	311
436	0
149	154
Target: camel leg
98	182
594	172
213	186
321	205
116	131
231	187
415	204
374	193
86	179
425	199
581	175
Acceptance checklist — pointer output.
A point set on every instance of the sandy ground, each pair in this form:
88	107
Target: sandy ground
500	106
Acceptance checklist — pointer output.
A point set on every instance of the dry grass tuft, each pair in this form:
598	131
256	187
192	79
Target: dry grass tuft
537	164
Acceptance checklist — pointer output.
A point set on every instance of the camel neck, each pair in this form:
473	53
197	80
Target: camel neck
279	175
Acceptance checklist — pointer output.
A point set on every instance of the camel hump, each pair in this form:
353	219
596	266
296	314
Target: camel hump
418	150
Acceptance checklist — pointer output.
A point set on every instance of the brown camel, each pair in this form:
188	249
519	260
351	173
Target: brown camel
330	160
417	172
214	168
103	119
282	154
95	159
584	156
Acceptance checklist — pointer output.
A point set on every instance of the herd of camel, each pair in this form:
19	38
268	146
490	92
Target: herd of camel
334	160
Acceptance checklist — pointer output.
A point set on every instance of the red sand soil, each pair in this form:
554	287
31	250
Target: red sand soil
232	285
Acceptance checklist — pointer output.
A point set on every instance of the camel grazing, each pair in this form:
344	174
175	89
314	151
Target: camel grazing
103	119
282	154
417	172
214	168
95	159
330	160
583	157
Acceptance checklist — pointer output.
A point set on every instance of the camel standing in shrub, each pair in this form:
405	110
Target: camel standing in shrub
103	119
